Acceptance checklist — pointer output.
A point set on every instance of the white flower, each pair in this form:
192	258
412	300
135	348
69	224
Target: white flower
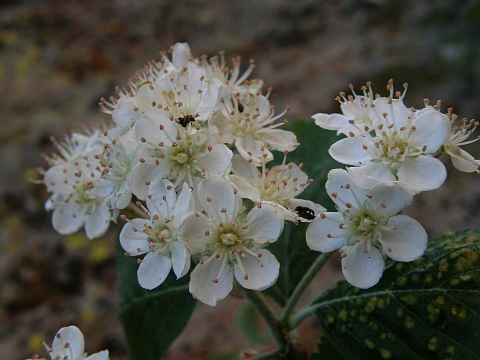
72	181
170	150
277	187
229	242
356	109
366	227
247	121
69	344
115	164
231	80
159	236
178	89
458	136
401	148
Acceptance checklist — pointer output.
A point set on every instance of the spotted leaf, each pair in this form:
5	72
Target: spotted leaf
427	309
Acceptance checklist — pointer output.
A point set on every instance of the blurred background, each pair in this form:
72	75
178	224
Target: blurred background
58	57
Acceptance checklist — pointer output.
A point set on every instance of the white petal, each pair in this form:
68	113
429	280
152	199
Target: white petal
76	344
263	225
369	175
390	198
124	115
324	234
407	242
397	112
244	169
363	270
331	121
216	161
161	198
196	231
59	180
102	355
153	270
262	272
202	286
132	240
431	128
423	173
350	151
222	196
180	257
144	173
336	181
278	139
180	54
245	189
185	204
123	200
67	218
148	128
251	148
462	160
97	223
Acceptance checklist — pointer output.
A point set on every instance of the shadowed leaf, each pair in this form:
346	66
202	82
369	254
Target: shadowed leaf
152	319
427	309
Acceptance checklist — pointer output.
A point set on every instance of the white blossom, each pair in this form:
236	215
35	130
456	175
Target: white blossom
366	228
229	243
232	82
114	165
69	344
458	136
170	150
277	187
400	147
247	122
72	181
178	89
159	236
355	109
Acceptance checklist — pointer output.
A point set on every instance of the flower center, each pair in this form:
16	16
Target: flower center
228	239
180	158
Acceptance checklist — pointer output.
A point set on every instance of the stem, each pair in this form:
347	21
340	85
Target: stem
301	287
268	315
266	355
136	210
301	315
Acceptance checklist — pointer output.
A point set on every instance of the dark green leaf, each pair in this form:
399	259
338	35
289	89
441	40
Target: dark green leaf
291	249
327	350
151	319
427	309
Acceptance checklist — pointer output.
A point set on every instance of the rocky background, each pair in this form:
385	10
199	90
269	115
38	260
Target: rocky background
58	57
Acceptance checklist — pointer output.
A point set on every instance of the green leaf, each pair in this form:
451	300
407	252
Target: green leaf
429	308
152	319
291	249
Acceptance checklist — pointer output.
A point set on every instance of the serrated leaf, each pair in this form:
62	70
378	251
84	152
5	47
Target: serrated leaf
291	249
427	309
152	319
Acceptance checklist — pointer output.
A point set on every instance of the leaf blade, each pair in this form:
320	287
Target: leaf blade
151	319
426	309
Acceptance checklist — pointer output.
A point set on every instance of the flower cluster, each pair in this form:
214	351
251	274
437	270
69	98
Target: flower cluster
190	143
393	154
190	140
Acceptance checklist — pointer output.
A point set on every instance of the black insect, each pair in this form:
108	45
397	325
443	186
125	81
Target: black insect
240	107
185	120
305	212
